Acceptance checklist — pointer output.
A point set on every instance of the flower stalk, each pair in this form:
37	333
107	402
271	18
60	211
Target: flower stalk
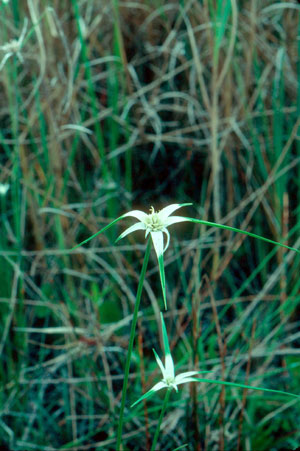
130	344
161	416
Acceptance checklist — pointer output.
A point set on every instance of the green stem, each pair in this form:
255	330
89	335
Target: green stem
162	413
131	340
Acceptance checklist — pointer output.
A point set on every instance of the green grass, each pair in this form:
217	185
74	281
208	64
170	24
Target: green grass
124	105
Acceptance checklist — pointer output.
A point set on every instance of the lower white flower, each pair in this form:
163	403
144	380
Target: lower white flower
14	46
169	380
4	187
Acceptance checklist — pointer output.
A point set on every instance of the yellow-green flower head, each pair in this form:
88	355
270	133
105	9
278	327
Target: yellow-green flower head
153	222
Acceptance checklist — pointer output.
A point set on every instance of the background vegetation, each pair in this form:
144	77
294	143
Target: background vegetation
108	106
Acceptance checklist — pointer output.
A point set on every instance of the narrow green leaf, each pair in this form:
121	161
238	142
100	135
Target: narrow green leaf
233	229
98	233
181	447
233	384
186	204
145	396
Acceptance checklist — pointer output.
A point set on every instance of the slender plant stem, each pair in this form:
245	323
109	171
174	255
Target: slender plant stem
162	413
131	340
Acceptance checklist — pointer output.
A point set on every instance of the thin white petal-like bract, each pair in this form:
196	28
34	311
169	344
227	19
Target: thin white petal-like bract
133	228
158	242
167	211
140	215
151	392
174	219
165	230
186	374
160	364
184	381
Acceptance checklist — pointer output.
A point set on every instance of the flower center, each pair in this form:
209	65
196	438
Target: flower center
11	46
169	380
153	221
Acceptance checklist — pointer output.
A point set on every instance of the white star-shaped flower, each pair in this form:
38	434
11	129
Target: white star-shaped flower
169	379
156	224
